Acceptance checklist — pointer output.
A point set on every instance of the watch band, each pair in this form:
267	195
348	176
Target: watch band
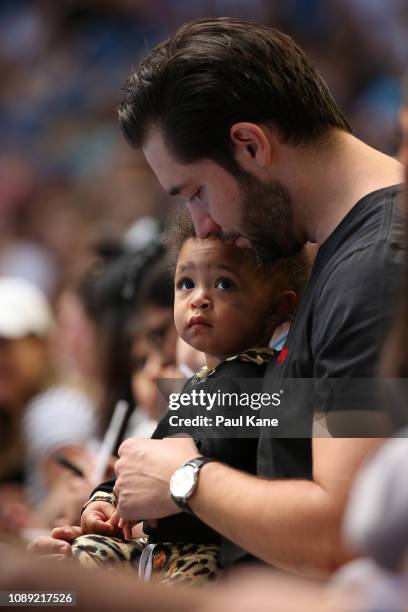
198	463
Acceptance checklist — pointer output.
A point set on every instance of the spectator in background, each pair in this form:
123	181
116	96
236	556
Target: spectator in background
105	302
153	345
29	385
121	333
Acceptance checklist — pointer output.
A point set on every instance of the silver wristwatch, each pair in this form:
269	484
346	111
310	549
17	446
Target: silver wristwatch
184	481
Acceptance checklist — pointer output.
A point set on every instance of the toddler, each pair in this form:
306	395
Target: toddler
226	305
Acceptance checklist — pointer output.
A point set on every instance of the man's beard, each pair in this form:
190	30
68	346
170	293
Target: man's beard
266	218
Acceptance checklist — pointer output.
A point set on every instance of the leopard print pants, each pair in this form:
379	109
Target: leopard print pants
165	562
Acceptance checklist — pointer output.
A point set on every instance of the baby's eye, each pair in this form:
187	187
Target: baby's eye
224	283
185	283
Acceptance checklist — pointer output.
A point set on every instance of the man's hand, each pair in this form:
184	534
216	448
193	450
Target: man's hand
100	518
143	475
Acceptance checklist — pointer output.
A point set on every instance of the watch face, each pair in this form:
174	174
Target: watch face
183	481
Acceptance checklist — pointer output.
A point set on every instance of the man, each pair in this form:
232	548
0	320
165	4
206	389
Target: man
234	118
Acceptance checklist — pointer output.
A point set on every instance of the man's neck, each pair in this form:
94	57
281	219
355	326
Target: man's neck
328	182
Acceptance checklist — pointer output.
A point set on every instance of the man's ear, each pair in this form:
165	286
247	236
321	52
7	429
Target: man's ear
254	146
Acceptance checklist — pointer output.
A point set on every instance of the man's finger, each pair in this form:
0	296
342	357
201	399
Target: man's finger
124	446
115	520
118	465
127	530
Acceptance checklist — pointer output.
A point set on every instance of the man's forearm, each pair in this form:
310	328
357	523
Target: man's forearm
292	524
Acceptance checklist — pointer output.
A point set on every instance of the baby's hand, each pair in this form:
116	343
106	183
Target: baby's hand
100	517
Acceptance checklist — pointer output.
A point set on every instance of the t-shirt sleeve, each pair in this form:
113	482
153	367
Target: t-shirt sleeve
105	487
350	327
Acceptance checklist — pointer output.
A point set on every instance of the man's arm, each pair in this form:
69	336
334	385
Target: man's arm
292	524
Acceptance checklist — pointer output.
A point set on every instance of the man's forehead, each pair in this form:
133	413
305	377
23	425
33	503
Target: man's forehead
171	174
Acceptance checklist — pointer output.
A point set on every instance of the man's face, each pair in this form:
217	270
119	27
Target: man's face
255	213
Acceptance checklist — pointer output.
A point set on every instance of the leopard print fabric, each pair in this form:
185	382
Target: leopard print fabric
259	356
185	563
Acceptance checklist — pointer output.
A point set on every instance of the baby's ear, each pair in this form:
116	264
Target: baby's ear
283	309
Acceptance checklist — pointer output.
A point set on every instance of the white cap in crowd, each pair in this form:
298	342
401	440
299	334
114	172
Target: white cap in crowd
24	309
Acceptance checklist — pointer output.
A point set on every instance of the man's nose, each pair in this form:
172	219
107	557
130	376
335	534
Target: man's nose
204	224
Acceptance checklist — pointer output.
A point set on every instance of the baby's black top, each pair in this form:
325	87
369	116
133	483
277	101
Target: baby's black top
240	374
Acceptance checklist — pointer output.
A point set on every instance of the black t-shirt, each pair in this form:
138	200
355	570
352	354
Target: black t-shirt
339	328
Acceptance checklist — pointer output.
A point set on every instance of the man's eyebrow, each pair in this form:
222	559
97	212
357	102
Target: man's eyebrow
176	189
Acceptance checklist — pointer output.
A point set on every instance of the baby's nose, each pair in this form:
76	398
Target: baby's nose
201	301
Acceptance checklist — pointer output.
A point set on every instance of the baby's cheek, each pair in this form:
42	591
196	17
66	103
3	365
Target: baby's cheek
180	320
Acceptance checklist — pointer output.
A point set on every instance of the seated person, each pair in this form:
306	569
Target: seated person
41	412
228	306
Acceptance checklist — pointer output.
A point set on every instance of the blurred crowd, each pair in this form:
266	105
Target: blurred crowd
68	179
64	375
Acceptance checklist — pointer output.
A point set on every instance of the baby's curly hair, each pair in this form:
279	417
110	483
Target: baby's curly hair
293	272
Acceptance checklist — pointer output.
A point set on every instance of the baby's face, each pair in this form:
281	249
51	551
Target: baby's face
221	306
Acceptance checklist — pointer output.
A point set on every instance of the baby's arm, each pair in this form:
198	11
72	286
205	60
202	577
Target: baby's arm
97	515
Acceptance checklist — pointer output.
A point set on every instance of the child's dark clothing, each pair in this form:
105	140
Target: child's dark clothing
241	374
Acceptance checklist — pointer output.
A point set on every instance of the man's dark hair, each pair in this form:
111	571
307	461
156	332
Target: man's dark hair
216	72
